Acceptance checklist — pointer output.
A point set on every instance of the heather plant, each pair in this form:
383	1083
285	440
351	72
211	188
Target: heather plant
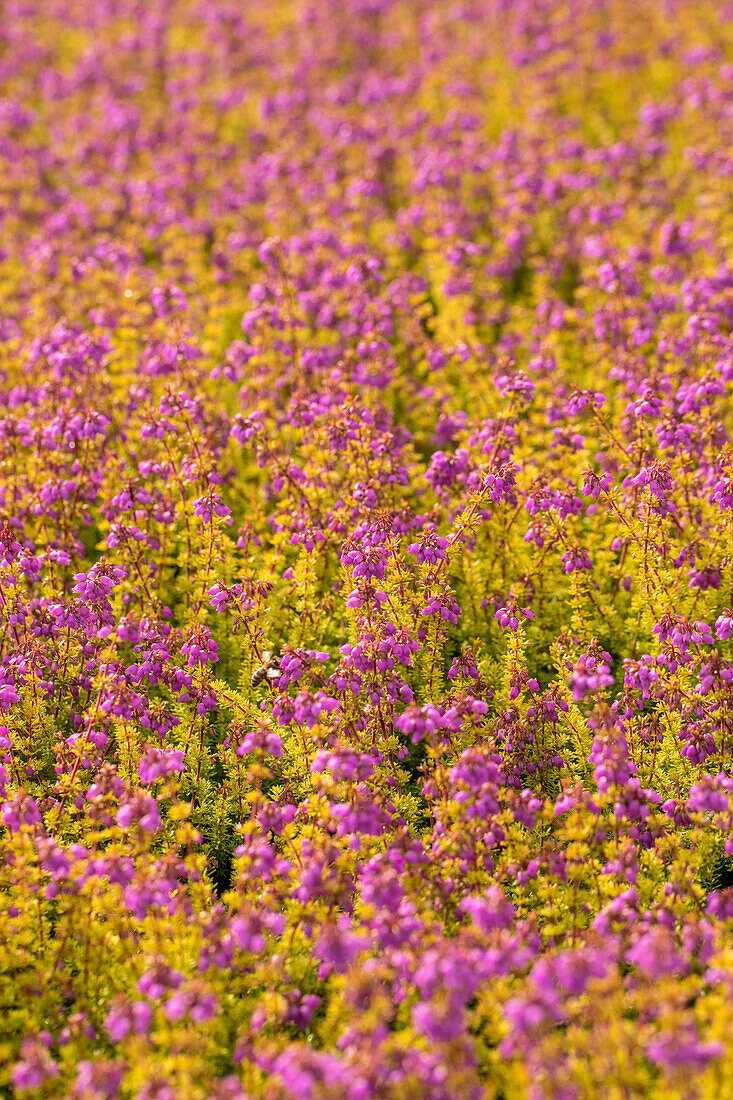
366	550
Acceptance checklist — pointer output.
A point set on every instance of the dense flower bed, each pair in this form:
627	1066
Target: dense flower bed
366	563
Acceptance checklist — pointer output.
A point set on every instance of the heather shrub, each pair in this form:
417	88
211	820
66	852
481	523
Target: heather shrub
366	559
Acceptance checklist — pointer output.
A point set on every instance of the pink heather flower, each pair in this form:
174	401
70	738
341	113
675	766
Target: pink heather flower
581	399
228	1088
98	583
590	674
509	616
569	972
167	300
595	484
128	1017
308	707
501	483
261	739
419	721
156	1088
525	1015
35	1066
344	763
365	593
401	646
301	1008
722	492
446	470
576	560
610	755
712	795
8	692
516	382
199	647
445	606
656	478
655	954
158	980
120	534
157	427
681	633
19	811
248	929
306	1073
519	681
156	763
222	596
246	428
198	1006
338	946
11	548
209	506
364	560
490	911
100	1079
294	663
683	1049
442	1022
465	665
724	625
139	809
430	549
